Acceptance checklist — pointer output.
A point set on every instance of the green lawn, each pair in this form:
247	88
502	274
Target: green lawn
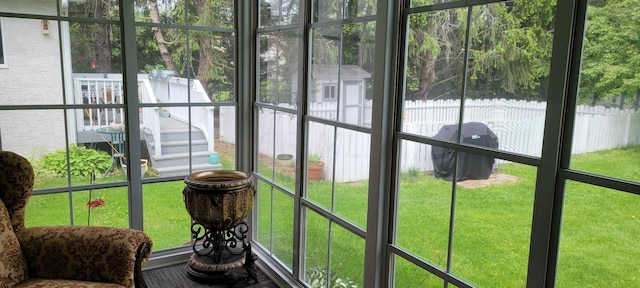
491	225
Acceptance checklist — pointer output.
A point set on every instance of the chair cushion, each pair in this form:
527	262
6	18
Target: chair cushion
13	266
59	283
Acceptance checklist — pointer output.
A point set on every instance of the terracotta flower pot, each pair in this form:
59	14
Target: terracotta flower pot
314	171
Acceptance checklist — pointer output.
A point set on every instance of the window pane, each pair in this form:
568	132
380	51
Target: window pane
334	256
500	71
269	68
316	248
197	67
266	142
320	164
29	138
277	147
434	71
423	207
96	9
44	143
279	68
32	77
352	176
347	257
225	144
325	69
341	73
279	12
607	118
282	236
505	88
219	13
48	209
166	219
101	207
493	226
325	10
275	224
264	213
356	72
18	6
410	275
600	229
285	150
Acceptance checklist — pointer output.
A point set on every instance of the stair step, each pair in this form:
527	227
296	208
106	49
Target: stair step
184	169
180	155
179	143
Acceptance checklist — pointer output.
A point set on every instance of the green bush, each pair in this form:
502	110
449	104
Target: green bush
317	278
82	161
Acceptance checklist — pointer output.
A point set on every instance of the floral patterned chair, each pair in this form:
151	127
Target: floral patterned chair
61	256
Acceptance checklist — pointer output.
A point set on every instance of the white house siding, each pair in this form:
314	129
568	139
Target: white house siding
32	77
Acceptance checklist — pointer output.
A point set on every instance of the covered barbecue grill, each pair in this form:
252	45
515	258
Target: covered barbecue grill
470	166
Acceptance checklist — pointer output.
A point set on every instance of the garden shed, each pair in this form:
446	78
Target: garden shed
343	85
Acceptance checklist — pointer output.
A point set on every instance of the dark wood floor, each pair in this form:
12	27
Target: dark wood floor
175	276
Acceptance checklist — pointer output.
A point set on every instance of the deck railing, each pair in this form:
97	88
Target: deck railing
107	89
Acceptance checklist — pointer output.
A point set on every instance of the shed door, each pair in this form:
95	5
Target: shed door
352	104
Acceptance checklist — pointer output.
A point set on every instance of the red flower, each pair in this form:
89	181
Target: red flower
98	202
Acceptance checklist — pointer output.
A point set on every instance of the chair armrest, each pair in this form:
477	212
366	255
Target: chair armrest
101	254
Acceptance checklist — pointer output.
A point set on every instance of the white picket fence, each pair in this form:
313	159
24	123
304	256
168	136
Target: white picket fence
519	126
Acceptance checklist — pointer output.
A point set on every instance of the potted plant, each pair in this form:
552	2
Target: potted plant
315	165
284	160
164	112
143	166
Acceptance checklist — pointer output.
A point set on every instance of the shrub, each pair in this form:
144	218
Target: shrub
317	278
82	161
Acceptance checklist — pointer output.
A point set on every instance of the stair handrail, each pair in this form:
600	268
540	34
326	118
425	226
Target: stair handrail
150	115
182	90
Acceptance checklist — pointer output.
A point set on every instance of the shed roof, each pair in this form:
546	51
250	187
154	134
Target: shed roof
347	72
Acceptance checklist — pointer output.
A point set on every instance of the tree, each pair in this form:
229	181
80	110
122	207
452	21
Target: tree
509	49
157	32
611	54
96	45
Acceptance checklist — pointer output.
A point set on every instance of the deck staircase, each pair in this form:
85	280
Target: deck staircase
174	160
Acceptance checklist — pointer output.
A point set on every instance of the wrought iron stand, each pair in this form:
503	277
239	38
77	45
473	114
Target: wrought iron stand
216	253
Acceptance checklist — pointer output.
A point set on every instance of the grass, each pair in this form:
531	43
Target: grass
491	225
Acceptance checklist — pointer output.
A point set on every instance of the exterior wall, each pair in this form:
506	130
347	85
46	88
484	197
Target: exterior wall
32	77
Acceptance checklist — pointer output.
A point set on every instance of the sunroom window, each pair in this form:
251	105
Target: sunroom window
437	143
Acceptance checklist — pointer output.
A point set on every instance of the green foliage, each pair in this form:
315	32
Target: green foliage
314	159
611	55
509	50
317	278
82	161
413	174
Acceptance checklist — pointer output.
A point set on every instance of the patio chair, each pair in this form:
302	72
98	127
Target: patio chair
61	256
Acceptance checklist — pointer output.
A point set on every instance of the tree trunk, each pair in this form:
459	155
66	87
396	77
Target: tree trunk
103	44
164	52
428	73
204	64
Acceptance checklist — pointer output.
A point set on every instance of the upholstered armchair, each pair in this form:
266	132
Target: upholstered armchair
61	256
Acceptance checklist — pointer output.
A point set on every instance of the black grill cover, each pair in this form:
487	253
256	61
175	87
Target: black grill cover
470	166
